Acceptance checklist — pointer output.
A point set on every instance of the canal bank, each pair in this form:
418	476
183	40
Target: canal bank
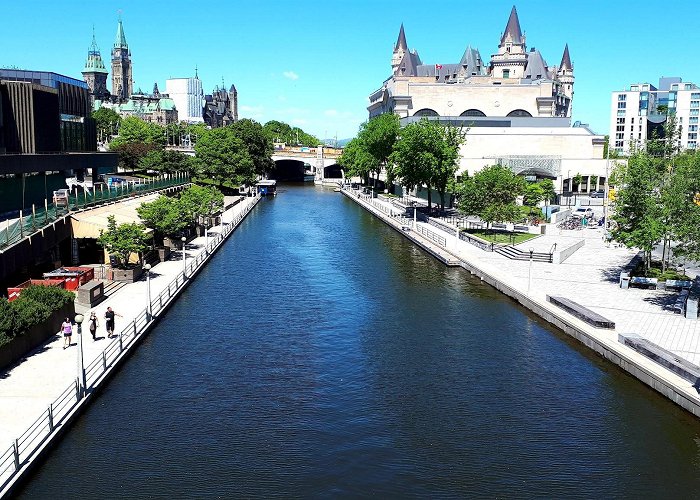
604	342
26	388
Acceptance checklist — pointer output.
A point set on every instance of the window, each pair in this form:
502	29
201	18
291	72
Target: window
692	128
619	136
634	88
622	97
620	128
621	105
688	86
694	112
621	121
633	120
618	144
695	104
506	72
692	137
692	145
693	119
620	112
695	95
632	128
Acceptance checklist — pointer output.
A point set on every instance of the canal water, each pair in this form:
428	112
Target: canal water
320	354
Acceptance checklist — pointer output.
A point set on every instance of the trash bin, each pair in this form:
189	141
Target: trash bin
624	280
691	309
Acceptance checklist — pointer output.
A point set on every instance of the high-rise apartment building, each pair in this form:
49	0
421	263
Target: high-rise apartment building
640	112
188	96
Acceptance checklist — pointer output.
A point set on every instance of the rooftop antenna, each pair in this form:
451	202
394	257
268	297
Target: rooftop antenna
196	71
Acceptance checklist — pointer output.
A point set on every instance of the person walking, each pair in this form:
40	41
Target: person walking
93	325
67	329
109	322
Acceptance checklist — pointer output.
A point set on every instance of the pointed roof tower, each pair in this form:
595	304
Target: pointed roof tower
566	60
156	91
120	40
401	41
94	63
513	29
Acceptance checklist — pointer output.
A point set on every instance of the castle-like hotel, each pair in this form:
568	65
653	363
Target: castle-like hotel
516	107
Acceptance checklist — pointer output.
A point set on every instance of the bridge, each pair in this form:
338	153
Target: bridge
319	163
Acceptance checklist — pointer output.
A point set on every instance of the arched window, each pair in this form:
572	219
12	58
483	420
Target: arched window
519	112
473	112
426	112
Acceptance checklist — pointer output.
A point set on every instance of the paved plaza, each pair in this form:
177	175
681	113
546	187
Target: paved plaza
591	278
27	389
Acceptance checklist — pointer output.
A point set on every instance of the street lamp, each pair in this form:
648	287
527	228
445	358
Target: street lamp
206	237
184	258
149	308
415	210
529	272
81	366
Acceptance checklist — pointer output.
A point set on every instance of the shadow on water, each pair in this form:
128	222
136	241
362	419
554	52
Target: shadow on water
321	354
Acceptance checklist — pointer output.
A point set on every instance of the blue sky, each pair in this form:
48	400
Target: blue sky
313	63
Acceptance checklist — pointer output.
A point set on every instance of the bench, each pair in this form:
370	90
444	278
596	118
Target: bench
679	305
643	282
521	229
581	312
679	284
667	359
498	226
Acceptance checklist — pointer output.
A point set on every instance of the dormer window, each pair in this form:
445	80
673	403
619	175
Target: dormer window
506	73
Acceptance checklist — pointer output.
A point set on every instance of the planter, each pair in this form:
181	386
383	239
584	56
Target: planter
163	253
22	345
125	275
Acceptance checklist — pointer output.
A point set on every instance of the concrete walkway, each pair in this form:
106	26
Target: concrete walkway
589	277
27	389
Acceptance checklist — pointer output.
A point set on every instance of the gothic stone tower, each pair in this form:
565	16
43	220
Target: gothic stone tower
511	59
565	75
122	81
95	73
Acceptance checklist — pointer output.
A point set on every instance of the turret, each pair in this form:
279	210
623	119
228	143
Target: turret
400	48
565	75
95	72
511	59
122	81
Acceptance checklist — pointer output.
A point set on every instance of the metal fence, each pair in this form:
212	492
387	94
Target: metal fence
484	245
431	235
26	224
12	460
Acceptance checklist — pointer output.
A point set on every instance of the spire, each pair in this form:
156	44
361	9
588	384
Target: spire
120	40
156	91
196	72
513	29
401	41
566	60
94	63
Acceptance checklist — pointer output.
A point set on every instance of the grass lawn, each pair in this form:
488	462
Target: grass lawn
501	237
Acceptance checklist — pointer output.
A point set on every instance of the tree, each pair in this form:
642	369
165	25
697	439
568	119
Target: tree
533	194
593	182
491	194
107	122
258	143
222	156
197	202
132	153
166	161
164	215
426	153
357	161
122	240
578	178
278	131
548	192
637	209
135	130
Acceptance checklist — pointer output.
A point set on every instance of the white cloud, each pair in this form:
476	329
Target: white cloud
299	122
291	75
331	112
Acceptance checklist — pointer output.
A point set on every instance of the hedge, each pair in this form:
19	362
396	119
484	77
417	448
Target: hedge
34	306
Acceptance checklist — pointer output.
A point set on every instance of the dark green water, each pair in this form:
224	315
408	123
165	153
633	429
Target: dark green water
320	354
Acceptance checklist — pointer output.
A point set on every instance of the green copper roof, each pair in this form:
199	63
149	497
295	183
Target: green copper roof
94	63
167	104
120	40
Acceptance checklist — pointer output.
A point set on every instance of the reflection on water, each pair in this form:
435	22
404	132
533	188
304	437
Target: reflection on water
322	354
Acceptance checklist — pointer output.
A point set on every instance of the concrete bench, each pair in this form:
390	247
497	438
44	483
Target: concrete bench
581	312
667	359
679	284
679	305
643	282
498	226
521	229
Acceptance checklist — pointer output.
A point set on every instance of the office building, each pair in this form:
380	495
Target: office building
188	97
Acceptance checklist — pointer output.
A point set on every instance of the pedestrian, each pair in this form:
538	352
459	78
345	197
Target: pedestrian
109	321
67	329
93	325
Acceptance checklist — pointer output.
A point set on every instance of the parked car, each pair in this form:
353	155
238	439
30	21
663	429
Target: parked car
598	194
582	212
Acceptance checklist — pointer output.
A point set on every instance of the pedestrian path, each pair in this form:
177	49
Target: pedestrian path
27	389
589	277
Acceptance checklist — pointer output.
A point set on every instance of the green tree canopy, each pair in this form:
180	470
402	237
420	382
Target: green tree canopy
135	130
166	161
122	240
107	122
356	160
257	142
164	215
222	156
199	201
278	131
491	194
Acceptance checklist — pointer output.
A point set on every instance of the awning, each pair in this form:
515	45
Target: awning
89	223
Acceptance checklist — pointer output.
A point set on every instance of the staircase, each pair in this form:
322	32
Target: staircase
112	287
516	254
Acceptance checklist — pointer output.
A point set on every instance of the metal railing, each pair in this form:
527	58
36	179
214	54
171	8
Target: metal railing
40	217
431	235
477	242
12	460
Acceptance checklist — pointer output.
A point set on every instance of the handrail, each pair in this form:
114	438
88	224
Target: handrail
12	460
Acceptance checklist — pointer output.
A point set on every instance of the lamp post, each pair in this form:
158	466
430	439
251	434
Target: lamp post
529	272
607	186
184	258
206	237
149	308
81	366
415	210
